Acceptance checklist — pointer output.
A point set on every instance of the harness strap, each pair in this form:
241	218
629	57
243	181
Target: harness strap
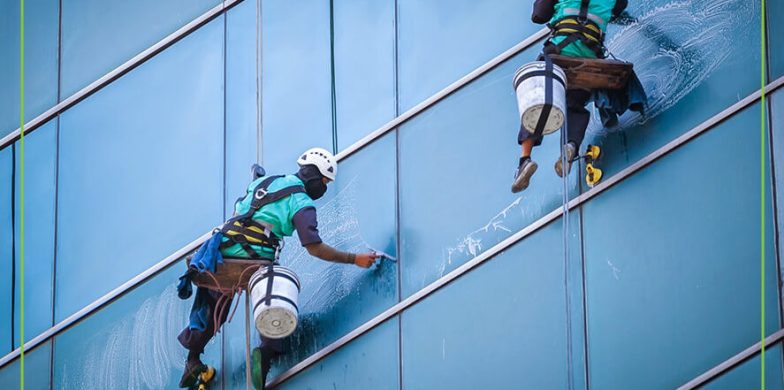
548	97
574	29
281	297
255	233
271	276
245	231
584	10
535	73
571	25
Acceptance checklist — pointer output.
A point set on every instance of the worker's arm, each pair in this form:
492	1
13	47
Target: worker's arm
620	6
543	11
306	223
328	253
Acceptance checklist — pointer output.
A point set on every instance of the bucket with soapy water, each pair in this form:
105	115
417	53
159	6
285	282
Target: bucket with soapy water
274	292
529	85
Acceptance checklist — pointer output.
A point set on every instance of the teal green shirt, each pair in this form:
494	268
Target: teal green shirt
599	12
278	214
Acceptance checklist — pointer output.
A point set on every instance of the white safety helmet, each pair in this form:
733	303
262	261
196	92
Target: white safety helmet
322	159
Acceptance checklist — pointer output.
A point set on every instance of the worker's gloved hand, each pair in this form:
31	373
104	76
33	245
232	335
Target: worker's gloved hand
365	260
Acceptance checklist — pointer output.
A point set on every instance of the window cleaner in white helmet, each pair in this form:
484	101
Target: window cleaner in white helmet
276	206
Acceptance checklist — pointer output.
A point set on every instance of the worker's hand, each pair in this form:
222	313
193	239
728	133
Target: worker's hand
365	260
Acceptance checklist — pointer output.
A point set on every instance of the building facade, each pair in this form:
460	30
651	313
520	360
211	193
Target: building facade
144	117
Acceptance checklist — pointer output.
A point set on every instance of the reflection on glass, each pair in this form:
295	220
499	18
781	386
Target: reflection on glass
6	247
364	67
141	169
100	35
130	344
369	362
40	168
457	160
678	274
36	369
296	81
504	324
40	60
441	41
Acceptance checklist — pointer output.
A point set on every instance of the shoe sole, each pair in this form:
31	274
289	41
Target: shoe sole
192	378
521	182
558	168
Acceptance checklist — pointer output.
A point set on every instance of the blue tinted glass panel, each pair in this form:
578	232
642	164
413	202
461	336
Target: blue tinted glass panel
241	99
100	35
40	171
457	160
132	343
685	271
747	375
37	369
41	21
369	362
364	67
141	169
358	212
776	113
775	14
6	249
690	67
296	88
503	325
441	41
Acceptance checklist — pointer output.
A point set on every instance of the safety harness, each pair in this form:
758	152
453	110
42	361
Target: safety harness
578	25
245	231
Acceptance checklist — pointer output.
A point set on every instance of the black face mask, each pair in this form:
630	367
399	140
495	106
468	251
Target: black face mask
315	188
314	183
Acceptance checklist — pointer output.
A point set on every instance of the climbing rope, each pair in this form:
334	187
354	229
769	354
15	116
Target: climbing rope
565	216
227	295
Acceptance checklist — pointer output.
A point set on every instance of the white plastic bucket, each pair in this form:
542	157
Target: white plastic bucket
529	84
275	317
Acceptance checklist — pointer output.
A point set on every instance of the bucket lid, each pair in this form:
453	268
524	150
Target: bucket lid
276	322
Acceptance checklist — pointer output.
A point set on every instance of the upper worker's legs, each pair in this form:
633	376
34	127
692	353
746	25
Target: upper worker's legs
577	116
524	135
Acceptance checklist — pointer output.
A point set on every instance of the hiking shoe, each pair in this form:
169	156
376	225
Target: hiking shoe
190	376
570	151
523	175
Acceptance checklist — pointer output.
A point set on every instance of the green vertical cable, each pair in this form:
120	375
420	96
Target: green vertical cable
332	67
21	193
762	192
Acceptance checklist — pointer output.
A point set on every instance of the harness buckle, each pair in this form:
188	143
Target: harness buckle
260	193
278	249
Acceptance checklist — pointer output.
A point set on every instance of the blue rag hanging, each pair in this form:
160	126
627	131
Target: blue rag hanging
612	103
209	255
206	258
